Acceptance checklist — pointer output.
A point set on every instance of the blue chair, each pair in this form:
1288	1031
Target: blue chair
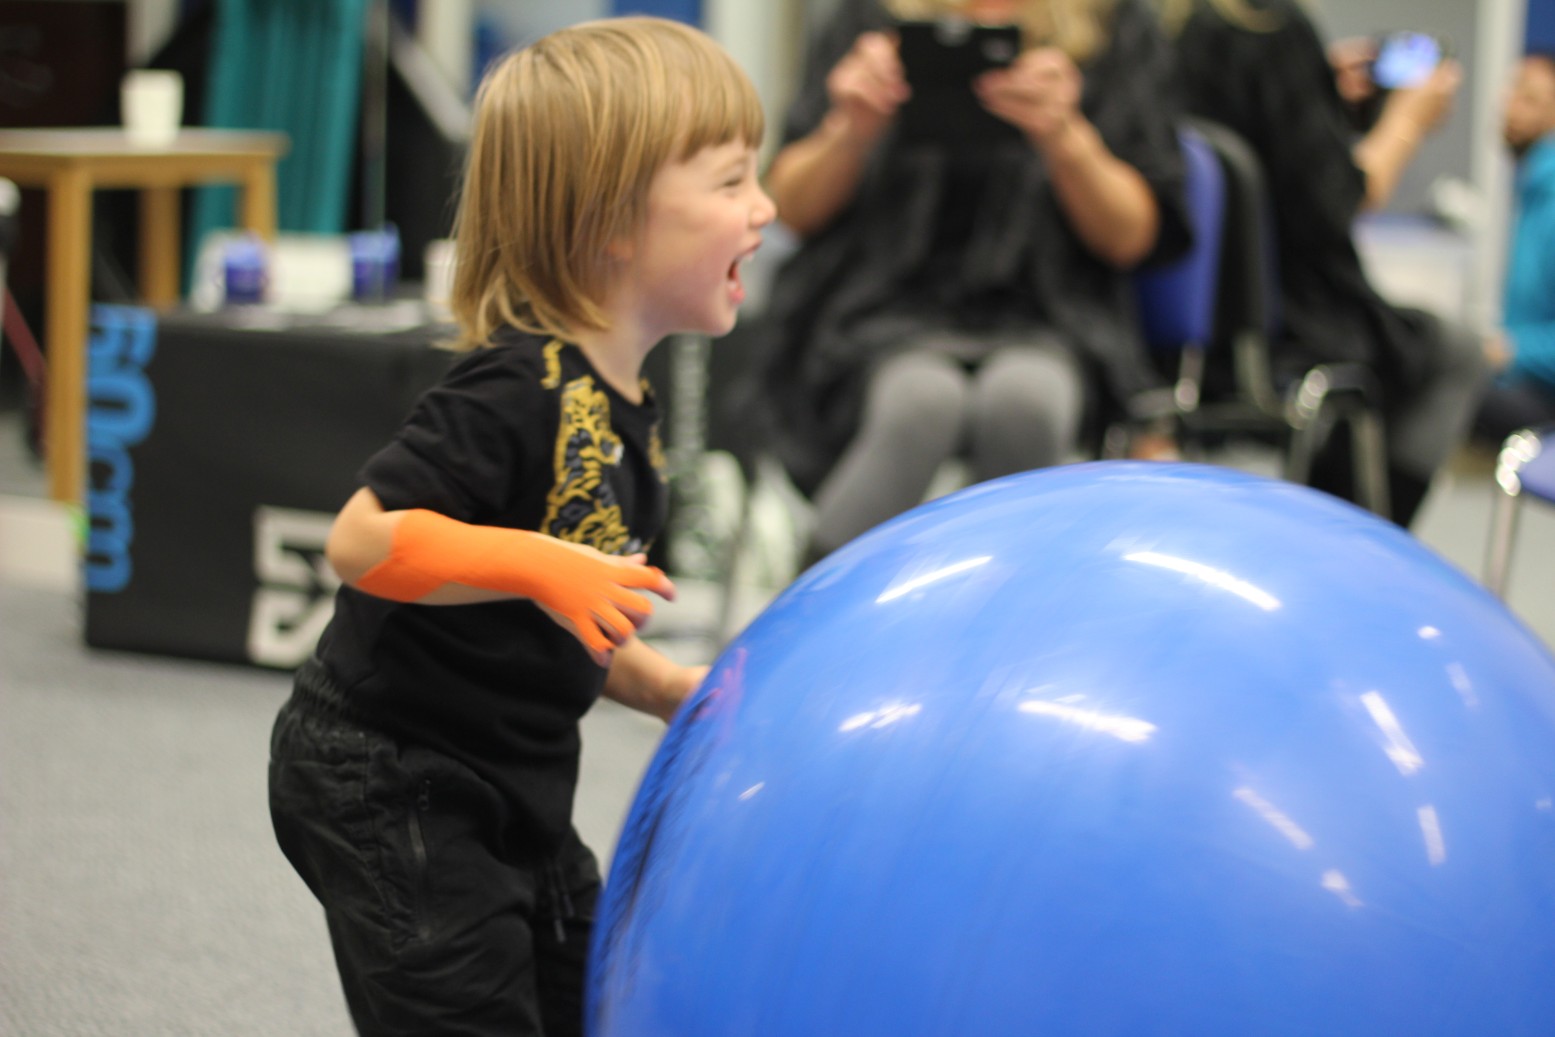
1177	302
1299	412
1525	467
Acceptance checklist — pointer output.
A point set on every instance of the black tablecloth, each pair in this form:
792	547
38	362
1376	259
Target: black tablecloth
222	446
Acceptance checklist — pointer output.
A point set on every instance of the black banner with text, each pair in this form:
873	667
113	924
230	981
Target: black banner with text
221	446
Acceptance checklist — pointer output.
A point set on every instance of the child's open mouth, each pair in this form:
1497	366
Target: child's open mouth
735	279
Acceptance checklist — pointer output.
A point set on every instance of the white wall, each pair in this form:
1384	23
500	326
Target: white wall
445	31
766	39
532	19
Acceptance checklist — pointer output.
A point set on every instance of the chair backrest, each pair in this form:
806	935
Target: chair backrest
1249	295
1177	302
1247	315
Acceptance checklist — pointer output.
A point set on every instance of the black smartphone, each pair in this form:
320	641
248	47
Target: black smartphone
941	58
1406	59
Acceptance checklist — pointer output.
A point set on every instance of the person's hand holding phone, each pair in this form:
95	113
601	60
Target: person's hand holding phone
1038	94
1409	114
1428	104
868	86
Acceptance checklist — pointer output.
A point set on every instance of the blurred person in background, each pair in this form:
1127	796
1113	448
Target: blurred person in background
1259	67
963	300
1522	353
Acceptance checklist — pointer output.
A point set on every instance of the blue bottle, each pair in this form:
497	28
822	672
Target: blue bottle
375	263
245	270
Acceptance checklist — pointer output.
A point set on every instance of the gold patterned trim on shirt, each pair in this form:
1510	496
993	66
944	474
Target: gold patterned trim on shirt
580	508
656	457
553	364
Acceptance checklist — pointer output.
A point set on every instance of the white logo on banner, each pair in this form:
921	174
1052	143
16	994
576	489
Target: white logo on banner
296	594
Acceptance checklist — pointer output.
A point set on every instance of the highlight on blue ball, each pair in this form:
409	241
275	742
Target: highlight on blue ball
1107	749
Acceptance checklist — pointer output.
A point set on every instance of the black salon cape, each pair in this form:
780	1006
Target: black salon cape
1013	262
1276	88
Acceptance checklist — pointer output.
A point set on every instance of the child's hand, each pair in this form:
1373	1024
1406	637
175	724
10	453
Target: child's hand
641	678
686	681
1428	105
591	595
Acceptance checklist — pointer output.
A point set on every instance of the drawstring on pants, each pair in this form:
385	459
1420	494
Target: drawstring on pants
558	898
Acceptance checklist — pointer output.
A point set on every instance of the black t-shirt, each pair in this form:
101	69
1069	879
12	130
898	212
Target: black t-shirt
524	435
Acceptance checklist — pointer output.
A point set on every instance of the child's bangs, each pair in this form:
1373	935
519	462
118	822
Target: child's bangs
720	105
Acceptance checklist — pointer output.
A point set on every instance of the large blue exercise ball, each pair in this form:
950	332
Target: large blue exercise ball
1113	748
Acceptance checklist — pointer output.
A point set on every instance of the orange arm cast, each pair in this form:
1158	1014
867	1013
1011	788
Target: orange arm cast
592	591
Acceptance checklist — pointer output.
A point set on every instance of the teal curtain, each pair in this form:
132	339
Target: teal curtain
293	66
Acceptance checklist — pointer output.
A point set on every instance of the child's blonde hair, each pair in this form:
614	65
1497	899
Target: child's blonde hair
1076	27
569	132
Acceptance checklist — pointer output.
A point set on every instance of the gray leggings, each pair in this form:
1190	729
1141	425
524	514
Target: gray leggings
1018	408
1429	426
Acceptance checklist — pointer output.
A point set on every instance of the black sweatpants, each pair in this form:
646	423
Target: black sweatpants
439	924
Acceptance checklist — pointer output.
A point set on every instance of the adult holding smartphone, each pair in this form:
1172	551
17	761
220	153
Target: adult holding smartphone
1367	69
964	299
1260	68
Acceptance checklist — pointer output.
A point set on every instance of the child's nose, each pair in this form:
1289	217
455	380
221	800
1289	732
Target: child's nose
765	210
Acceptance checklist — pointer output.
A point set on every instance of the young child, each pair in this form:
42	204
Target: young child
422	773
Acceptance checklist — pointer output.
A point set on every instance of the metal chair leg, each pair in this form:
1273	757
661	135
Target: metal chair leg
1323	400
1370	461
1503	531
1299	454
1307	416
1520	448
1190	378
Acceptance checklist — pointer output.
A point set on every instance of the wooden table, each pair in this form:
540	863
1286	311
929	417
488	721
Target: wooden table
70	164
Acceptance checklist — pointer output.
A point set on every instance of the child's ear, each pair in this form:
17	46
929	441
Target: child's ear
621	248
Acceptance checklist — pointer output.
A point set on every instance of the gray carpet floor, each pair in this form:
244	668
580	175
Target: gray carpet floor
141	892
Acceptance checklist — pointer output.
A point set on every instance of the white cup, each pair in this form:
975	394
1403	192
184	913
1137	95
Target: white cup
438	259
152	104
